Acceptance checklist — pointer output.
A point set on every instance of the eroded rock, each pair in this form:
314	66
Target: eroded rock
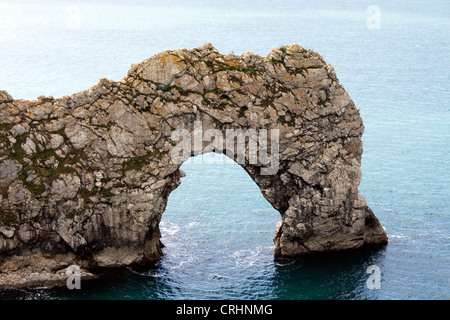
86	178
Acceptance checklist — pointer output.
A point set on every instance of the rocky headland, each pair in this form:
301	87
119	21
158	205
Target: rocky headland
84	179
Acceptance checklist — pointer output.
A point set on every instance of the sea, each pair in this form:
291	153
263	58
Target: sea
392	57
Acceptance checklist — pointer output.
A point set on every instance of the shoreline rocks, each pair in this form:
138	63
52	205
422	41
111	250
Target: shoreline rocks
35	278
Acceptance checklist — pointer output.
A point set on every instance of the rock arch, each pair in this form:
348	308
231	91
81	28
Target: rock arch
85	178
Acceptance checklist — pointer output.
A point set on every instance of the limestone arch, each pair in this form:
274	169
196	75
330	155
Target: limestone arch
87	177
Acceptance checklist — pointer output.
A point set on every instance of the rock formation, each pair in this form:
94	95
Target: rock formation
84	179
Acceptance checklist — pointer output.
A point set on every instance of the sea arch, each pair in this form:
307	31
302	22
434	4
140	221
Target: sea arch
85	178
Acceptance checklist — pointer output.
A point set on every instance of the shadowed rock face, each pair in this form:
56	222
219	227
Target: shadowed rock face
85	179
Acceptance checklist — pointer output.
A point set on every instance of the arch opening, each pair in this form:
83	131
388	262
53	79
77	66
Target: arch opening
216	219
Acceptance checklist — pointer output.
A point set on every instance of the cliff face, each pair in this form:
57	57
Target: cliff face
85	179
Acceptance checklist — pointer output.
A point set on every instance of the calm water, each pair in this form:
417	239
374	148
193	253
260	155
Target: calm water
217	227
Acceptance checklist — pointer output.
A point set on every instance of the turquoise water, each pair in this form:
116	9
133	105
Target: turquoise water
217	227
